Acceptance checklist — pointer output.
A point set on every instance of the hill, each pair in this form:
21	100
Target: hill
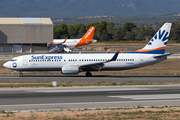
120	20
79	8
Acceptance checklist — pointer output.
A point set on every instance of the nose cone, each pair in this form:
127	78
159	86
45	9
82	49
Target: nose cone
5	65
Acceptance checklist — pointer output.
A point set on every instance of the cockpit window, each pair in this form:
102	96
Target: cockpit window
13	60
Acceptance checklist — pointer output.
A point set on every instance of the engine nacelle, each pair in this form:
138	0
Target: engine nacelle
70	69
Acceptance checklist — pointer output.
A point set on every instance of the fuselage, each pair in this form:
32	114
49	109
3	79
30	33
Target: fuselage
55	62
72	42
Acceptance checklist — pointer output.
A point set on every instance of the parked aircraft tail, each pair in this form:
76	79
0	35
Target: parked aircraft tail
157	45
87	38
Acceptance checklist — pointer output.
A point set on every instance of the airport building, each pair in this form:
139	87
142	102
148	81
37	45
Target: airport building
25	34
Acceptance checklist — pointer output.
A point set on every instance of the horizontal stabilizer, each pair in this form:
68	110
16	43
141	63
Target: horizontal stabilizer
163	55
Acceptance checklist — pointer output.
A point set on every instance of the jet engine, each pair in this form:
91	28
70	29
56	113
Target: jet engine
70	69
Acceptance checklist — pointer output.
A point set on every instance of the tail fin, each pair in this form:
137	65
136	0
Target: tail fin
87	38
157	45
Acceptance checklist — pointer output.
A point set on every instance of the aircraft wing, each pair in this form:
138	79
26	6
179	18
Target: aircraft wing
98	65
163	55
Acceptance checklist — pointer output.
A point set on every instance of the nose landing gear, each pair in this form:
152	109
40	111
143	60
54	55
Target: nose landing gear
21	75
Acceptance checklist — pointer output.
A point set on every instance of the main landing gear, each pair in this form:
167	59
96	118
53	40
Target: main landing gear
88	74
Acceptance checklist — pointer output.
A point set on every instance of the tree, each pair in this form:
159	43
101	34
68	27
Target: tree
73	31
92	24
101	30
82	30
119	34
128	26
129	35
110	29
149	32
175	32
58	32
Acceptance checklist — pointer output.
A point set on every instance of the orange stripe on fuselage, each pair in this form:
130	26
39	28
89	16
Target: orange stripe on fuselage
143	50
87	37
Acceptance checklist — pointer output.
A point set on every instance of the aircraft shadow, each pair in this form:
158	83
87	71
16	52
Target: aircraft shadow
111	76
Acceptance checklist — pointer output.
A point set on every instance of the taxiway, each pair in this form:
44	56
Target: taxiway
37	78
88	97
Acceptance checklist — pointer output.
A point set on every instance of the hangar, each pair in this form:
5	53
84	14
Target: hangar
25	34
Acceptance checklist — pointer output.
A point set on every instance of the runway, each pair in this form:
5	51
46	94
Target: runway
88	97
30	78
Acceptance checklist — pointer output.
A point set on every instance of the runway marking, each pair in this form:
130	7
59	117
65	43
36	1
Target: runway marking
88	103
91	90
145	97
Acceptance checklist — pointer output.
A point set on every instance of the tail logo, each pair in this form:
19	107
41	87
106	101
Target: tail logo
160	37
89	32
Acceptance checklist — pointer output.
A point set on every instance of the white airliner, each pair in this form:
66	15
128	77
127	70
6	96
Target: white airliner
152	53
73	43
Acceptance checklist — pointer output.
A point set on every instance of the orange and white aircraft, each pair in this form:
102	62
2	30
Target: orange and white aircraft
73	43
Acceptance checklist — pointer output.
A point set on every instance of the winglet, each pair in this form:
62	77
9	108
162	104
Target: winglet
65	40
115	56
108	51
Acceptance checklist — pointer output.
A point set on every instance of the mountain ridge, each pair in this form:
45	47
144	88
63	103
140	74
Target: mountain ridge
79	8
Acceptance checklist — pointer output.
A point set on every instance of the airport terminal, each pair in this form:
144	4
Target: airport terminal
25	34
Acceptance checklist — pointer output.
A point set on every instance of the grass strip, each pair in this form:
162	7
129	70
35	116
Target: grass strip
129	83
99	114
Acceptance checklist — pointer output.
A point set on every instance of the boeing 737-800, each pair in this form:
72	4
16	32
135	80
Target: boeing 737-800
152	53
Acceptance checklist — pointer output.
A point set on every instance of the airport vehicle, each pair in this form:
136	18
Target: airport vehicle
63	44
152	53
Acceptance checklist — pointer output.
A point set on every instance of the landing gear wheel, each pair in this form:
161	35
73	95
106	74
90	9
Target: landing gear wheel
21	74
88	74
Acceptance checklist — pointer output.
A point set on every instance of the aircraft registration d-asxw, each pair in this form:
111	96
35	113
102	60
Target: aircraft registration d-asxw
152	53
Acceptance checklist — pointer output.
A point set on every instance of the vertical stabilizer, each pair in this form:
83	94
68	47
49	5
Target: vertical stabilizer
157	45
87	38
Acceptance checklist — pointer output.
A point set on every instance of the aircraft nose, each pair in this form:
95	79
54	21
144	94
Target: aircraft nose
5	65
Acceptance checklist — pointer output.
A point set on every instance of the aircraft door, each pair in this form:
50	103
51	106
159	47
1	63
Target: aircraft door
25	62
141	60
